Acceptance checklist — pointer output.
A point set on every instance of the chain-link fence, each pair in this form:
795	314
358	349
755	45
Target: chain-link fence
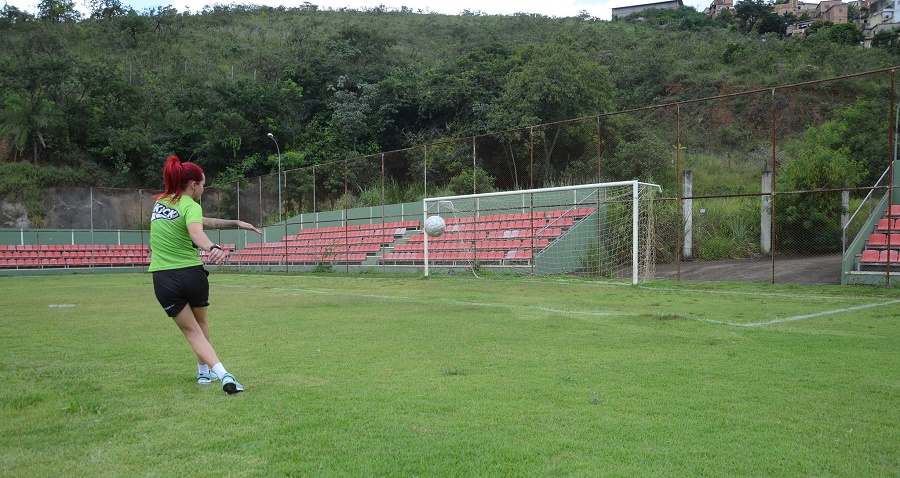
782	184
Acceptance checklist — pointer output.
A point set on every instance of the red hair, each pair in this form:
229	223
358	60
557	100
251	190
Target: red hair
176	176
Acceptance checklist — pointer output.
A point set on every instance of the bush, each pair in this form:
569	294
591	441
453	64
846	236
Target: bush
729	230
810	223
717	248
597	261
462	183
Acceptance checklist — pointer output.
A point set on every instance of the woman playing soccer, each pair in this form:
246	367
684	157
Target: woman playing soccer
179	279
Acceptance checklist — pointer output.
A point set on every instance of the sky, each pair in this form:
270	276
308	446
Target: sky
550	8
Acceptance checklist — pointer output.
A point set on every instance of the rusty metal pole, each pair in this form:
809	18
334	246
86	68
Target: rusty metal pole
893	139
679	228
346	215
599	149
261	219
383	266
219	213
774	192
531	211
598	230
474	168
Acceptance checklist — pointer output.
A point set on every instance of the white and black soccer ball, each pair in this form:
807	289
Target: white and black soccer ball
435	226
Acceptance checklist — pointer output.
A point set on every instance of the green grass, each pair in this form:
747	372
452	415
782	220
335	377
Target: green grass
453	376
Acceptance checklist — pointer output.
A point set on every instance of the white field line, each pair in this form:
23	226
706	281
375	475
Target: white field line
800	317
760	294
663	289
457	302
541	309
707	291
591	313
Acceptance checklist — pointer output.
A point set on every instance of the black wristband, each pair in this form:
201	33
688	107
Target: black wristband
215	246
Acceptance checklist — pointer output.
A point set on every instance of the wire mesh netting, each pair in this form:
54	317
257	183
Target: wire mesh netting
756	177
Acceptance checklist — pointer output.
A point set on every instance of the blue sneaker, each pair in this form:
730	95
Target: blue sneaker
207	378
230	385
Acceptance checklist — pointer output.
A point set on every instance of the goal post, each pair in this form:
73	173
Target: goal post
603	230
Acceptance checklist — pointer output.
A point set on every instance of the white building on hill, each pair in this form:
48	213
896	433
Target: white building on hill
622	11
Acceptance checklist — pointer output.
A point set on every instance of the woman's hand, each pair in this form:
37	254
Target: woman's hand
248	226
216	254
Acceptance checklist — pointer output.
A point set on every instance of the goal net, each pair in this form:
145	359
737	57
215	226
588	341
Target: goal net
600	230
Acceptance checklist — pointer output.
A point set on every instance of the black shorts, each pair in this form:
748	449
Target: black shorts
177	288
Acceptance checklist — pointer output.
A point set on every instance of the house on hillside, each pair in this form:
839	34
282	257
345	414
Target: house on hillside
881	11
833	11
880	19
794	6
623	11
718	6
875	15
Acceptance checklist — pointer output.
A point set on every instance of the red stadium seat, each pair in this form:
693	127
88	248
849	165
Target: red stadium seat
893	240
877	240
869	256
895	210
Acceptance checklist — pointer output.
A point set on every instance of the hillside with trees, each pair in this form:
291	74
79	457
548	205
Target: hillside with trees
103	99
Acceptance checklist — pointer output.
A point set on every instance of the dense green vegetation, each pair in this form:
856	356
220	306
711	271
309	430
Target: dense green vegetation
112	94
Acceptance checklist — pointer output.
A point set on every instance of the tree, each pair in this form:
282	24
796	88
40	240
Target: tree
352	114
105	9
684	18
133	26
23	122
455	96
810	223
861	127
816	26
854	12
11	15
845	34
462	182
58	11
553	83
121	90
750	12
646	158
771	23
888	40
725	18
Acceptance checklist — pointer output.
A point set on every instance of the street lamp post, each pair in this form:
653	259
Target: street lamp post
272	137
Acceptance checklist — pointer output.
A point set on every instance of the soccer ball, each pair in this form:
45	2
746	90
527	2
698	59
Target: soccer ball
435	226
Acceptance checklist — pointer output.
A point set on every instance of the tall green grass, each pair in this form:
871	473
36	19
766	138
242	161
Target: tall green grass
453	376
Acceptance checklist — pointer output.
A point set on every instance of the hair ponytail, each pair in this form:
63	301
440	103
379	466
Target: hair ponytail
176	175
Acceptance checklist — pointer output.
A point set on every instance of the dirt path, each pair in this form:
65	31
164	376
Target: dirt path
815	270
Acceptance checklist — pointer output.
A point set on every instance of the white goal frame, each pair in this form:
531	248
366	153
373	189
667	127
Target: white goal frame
636	188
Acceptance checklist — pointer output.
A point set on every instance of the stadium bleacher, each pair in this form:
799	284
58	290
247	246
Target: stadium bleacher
30	256
47	256
883	246
500	239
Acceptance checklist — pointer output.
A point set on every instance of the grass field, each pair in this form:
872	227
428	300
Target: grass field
374	375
